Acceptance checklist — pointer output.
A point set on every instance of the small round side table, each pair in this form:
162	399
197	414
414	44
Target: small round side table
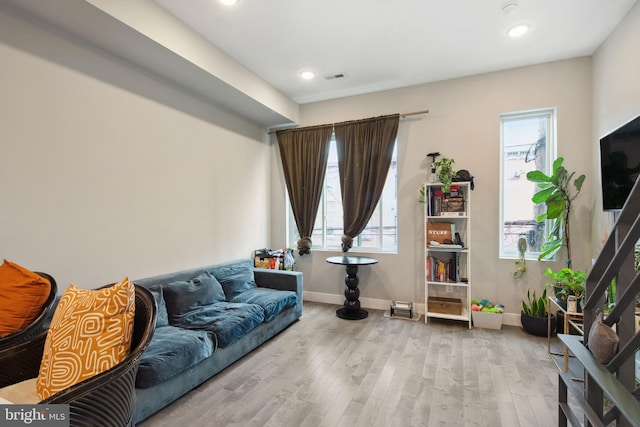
351	309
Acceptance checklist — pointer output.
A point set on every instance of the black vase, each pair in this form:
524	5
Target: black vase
537	325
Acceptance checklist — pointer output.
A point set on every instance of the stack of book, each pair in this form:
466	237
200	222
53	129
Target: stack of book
435	203
439	270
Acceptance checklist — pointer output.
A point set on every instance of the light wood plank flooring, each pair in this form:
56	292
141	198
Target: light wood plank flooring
326	371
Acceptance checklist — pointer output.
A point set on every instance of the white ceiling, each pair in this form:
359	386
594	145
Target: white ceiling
385	44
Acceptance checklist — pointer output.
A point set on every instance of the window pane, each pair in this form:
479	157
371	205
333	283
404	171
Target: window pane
389	208
370	236
317	234
333	200
381	231
526	142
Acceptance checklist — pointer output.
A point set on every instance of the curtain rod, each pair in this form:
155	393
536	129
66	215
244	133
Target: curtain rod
415	113
402	116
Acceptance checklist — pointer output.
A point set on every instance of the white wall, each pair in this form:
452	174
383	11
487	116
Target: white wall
106	172
463	123
616	100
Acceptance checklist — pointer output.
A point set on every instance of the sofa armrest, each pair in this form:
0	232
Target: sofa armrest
281	280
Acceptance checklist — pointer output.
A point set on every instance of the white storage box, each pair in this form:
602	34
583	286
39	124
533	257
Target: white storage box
487	320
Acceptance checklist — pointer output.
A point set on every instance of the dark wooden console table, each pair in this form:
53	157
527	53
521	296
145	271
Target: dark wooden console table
351	309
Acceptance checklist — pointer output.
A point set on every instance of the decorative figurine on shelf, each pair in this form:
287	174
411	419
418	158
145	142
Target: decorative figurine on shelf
433	177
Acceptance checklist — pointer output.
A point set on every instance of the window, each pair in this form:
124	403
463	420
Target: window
381	233
527	143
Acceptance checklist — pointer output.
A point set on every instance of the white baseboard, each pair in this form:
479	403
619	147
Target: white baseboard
510	319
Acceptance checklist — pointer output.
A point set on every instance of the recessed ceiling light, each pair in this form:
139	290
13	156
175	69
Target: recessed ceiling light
229	2
518	30
307	74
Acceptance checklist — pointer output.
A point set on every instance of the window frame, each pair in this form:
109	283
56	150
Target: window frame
550	114
292	232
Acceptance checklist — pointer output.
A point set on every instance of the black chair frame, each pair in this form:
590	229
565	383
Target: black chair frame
107	399
19	354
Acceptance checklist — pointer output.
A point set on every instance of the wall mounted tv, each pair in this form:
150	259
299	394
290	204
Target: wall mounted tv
620	164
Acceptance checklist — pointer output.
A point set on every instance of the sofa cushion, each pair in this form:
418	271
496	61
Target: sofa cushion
272	301
235	278
22	296
228	321
171	351
162	318
90	332
183	296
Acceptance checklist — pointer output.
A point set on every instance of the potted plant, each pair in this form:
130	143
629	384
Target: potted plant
445	173
565	282
521	262
534	316
557	192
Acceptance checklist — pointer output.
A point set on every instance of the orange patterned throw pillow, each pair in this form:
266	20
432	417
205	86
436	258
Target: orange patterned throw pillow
90	332
22	295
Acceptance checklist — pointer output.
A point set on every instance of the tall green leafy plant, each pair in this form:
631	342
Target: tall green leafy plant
557	192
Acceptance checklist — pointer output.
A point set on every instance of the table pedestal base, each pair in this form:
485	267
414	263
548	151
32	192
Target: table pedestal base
351	309
350	314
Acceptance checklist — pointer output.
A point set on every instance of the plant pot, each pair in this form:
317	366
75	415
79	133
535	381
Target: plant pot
537	325
561	299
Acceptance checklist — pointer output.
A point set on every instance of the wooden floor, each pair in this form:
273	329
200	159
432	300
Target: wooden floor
326	371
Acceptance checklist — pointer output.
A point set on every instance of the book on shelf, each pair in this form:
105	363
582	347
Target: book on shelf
453	214
435	202
440	232
436	245
443	270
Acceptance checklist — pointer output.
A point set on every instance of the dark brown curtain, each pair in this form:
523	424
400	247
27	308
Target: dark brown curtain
304	154
365	149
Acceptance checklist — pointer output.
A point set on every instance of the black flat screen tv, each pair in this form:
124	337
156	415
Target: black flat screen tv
620	164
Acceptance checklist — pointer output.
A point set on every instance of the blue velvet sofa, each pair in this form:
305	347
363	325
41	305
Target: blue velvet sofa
208	318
